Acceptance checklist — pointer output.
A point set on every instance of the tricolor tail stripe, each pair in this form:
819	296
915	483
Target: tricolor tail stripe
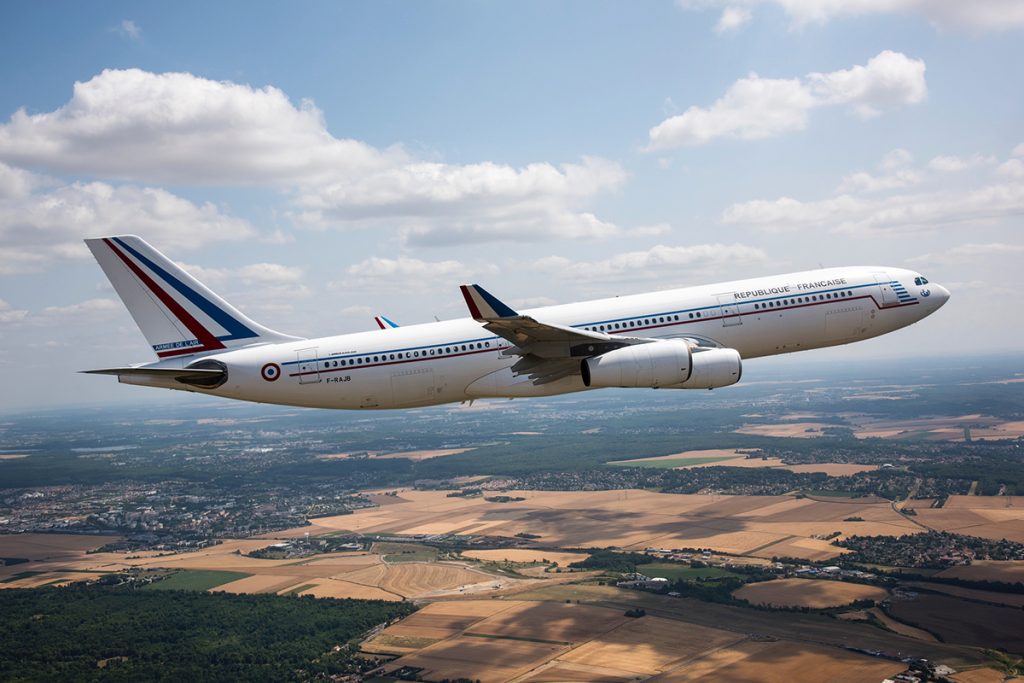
483	305
207	341
234	328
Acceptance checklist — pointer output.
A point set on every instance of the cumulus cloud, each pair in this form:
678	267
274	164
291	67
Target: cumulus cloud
378	271
756	107
653	262
10	314
732	18
857	210
137	126
42	222
971	252
952	163
895	173
974	16
129	29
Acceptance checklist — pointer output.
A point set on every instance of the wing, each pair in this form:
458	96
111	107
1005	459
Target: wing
548	352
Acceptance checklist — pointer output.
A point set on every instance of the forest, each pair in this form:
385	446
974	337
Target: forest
106	633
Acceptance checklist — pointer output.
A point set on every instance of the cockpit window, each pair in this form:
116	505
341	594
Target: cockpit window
920	280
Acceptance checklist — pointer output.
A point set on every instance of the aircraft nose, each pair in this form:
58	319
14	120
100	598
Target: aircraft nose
940	295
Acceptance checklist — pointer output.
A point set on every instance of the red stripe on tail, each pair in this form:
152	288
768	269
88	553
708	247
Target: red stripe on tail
205	337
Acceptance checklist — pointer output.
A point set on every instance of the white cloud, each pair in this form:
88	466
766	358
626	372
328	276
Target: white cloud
953	164
972	15
656	230
1018	151
653	262
1011	168
41	222
399	272
129	29
755	107
179	128
10	314
971	252
732	18
87	308
895	174
853	212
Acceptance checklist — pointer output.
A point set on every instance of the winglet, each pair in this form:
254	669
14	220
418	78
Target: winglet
483	305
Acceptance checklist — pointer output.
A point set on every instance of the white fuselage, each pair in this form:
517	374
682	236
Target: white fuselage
459	360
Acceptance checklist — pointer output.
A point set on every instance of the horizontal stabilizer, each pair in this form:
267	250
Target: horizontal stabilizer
204	377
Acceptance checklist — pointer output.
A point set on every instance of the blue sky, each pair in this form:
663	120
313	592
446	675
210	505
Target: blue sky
319	166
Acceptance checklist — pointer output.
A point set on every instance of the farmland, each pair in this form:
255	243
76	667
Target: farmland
635	519
808	593
541	637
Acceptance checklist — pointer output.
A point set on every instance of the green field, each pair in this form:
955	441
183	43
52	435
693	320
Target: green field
405	552
673	571
196	580
672	462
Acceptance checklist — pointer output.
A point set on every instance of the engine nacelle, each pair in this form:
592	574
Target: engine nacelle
714	368
671	363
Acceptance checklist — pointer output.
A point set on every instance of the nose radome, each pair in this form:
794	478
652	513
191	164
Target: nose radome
940	294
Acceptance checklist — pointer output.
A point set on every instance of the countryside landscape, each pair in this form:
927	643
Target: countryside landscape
848	524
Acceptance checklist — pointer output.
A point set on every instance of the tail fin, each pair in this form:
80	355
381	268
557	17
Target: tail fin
177	314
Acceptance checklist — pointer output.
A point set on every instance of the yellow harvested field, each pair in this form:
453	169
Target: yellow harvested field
995	517
257	583
525	555
802	548
485	659
1013	503
984	675
633	519
559	641
445	619
711	453
551	621
411	455
1008	571
939	428
800	430
783	662
335	588
813	593
644	647
45	579
417	579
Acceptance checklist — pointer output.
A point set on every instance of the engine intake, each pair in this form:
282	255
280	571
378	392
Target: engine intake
672	363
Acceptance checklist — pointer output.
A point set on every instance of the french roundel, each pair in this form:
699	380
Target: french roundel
270	371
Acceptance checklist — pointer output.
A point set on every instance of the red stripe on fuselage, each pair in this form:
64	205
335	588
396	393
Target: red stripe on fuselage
206	339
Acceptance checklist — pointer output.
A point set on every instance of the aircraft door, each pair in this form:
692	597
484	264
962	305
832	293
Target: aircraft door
729	310
889	297
309	367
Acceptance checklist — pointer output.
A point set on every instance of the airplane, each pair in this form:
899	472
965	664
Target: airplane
690	338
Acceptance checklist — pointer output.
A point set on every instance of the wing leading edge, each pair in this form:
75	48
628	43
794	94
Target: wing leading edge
548	352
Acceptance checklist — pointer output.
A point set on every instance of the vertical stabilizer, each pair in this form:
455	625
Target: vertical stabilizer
178	315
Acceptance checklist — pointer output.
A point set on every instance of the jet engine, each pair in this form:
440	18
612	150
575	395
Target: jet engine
672	363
